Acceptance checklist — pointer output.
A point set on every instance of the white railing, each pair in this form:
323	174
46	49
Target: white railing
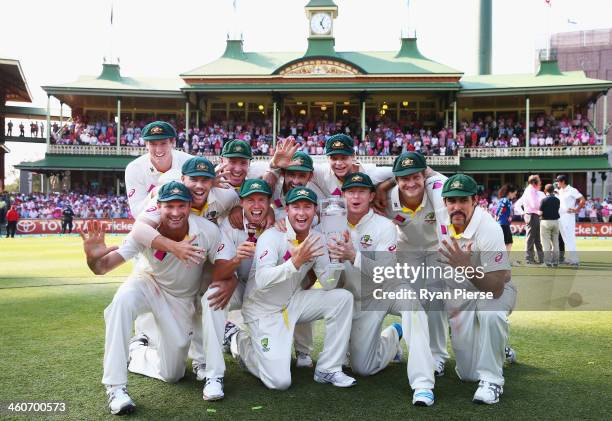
95	150
533	151
134	151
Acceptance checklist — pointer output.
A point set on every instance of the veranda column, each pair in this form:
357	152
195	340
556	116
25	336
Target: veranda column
455	118
274	122
48	137
363	119
118	126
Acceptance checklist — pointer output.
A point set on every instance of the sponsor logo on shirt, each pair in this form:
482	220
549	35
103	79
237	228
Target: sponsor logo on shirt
221	247
264	254
498	257
152	209
264	344
392	248
131	192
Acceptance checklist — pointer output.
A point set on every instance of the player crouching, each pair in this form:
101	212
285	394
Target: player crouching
161	284
275	301
479	327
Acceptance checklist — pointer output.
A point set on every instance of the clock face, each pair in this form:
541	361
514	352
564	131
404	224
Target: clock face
320	23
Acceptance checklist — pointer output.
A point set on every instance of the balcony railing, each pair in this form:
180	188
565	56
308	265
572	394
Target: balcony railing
95	150
534	151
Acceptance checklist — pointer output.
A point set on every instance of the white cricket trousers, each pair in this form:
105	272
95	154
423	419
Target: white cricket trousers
213	323
371	351
479	335
567	226
174	320
266	348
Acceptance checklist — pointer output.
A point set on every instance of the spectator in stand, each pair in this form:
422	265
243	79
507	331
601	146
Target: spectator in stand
531	198
605	211
42	129
549	227
21	130
12	216
10	128
3	211
507	193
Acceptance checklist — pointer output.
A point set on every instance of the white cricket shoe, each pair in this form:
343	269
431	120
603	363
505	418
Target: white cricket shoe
213	389
198	370
423	397
488	393
337	378
302	360
119	402
439	370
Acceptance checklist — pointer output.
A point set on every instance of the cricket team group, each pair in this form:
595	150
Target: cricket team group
246	235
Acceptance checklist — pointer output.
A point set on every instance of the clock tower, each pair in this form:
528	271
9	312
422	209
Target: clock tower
321	15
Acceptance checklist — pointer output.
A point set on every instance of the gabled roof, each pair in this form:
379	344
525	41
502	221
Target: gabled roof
110	82
13	81
548	79
407	61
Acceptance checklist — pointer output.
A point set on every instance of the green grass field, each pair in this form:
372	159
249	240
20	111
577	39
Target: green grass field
52	343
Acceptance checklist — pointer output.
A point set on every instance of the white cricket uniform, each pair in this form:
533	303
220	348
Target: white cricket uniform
274	302
324	177
417	245
567	221
479	327
163	285
141	177
218	205
375	240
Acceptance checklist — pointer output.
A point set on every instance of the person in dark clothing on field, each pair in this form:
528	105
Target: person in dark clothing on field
549	227
67	217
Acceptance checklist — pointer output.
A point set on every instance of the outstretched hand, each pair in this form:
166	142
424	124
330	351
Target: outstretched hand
92	232
283	154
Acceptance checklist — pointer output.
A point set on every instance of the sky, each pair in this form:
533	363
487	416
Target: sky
57	41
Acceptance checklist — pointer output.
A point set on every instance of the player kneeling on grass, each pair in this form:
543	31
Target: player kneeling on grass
371	242
274	300
474	242
160	284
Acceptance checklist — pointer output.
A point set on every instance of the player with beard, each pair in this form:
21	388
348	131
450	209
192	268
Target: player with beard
479	327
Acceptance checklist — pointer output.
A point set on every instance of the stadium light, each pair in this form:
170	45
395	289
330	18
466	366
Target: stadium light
345	111
405	103
323	107
240	104
260	107
302	112
385	106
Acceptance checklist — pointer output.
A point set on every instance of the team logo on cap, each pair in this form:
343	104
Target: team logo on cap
300	161
202	166
456	184
337	145
157	130
255	186
302	193
407	162
175	190
357	178
238	148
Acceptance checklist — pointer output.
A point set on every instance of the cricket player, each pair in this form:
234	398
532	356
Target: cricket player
571	203
236	164
341	161
209	202
274	301
413	205
474	246
160	284
142	174
370	242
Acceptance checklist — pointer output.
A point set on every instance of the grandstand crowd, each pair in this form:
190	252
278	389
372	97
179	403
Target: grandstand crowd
384	137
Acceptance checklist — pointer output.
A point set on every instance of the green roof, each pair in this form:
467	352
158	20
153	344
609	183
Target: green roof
562	164
321	3
548	81
78	162
406	61
110	82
